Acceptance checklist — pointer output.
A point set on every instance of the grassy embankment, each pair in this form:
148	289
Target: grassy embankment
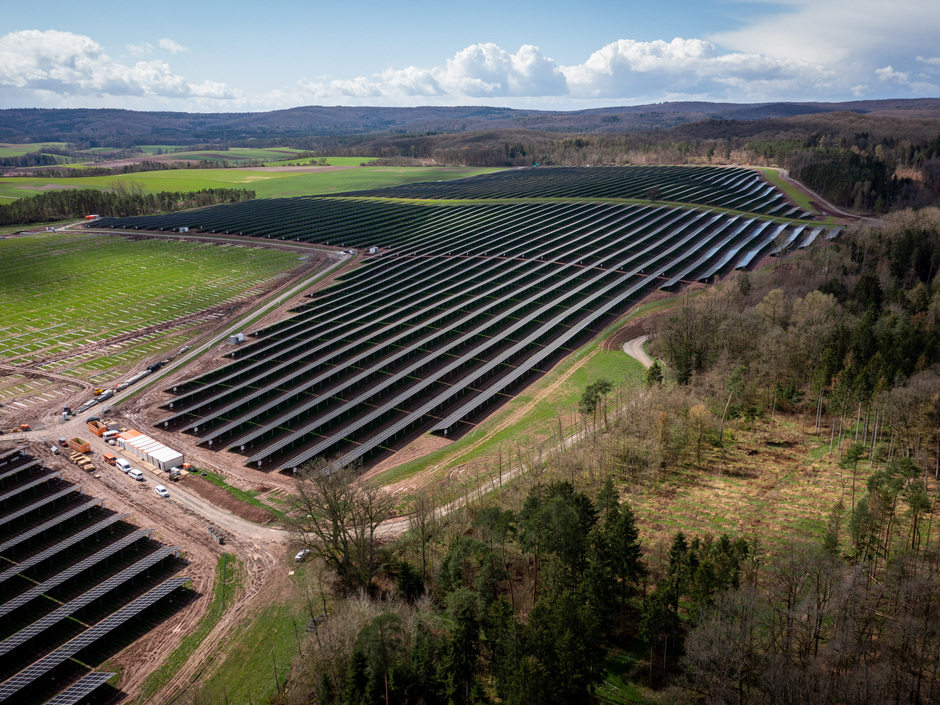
228	583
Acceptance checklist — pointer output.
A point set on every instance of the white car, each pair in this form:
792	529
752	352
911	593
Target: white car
302	554
162	491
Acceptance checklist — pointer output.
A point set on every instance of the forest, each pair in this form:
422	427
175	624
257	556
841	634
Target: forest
534	593
122	199
852	161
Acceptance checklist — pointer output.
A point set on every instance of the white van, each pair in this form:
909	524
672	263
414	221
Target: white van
109	435
136	474
123	465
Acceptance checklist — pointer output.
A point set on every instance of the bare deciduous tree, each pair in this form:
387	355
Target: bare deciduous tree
337	519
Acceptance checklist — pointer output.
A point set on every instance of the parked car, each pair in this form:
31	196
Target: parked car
302	555
162	491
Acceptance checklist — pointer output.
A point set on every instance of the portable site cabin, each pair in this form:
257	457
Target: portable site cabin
150	450
167	458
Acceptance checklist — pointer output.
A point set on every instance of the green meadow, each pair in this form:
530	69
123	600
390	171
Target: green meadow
265	183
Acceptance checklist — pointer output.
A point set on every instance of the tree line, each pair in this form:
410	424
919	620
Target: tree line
122	200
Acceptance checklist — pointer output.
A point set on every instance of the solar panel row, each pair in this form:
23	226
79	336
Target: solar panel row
13	685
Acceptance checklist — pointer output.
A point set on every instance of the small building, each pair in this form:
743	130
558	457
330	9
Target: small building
236	339
149	450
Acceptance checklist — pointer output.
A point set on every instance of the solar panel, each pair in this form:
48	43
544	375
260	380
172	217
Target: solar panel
10	453
29	485
13	685
61	546
74	570
16	470
79	690
40	503
85	599
26	535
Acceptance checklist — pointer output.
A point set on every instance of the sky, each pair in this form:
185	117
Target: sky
209	56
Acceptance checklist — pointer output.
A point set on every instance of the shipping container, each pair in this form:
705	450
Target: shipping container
79	444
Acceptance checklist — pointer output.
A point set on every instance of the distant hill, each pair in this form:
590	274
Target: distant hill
115	127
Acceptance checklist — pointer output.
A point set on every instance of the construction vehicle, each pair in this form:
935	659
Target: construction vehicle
24	426
110	458
175	474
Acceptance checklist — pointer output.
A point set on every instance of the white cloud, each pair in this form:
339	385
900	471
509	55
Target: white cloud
903	78
63	64
628	69
851	38
140	49
171	46
625	71
932	62
487	70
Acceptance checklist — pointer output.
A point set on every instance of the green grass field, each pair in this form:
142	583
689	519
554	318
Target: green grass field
267	184
18	150
62	291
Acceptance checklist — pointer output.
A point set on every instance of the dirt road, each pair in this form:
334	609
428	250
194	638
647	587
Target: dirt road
634	348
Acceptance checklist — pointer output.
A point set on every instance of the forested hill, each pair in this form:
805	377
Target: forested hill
110	127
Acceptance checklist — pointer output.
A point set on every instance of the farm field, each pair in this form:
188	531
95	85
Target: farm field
267	183
468	303
93	306
18	150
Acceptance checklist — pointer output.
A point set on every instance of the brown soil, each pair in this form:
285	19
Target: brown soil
428	443
221	498
47	187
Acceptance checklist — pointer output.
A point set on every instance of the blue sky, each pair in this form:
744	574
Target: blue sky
230	57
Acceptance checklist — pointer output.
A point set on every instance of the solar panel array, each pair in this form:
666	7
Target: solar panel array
29	675
97	592
90	578
48	553
733	188
466	302
16	468
28	485
74	570
52	523
38	504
